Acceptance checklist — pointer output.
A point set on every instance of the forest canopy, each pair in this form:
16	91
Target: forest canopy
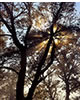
39	51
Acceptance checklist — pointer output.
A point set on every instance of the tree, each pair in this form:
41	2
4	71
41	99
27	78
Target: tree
67	68
16	25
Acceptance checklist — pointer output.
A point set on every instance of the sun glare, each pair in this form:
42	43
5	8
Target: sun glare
54	28
56	41
37	35
59	40
64	39
42	45
48	32
50	49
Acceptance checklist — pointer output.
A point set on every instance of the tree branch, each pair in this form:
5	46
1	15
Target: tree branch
12	29
8	68
42	78
5	35
52	58
6	24
26	36
18	15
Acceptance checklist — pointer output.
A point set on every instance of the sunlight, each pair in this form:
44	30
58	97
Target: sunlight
63	33
39	23
37	35
44	42
63	40
50	49
56	41
54	28
41	20
59	40
48	32
42	45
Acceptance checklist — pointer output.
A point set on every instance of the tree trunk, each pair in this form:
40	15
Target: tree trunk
67	95
21	77
31	90
67	92
37	75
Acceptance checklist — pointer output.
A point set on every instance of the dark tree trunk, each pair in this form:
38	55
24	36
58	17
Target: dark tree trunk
67	95
21	77
67	91
37	75
31	90
51	98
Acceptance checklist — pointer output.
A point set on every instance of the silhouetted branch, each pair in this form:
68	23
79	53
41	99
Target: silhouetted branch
12	29
5	35
8	68
6	24
26	36
52	59
19	15
42	78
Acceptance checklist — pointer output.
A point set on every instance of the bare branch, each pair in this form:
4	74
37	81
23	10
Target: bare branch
43	78
27	32
52	58
6	24
8	68
12	29
18	15
5	35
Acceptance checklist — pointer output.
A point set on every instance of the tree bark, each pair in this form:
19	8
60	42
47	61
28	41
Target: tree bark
21	77
67	91
31	90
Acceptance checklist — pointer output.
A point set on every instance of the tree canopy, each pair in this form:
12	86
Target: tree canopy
39	41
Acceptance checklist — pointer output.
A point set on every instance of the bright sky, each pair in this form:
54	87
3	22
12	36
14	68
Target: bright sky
78	6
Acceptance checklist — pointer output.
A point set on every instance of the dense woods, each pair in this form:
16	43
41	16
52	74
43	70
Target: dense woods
39	51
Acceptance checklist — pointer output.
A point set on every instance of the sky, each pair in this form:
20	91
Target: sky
78	7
